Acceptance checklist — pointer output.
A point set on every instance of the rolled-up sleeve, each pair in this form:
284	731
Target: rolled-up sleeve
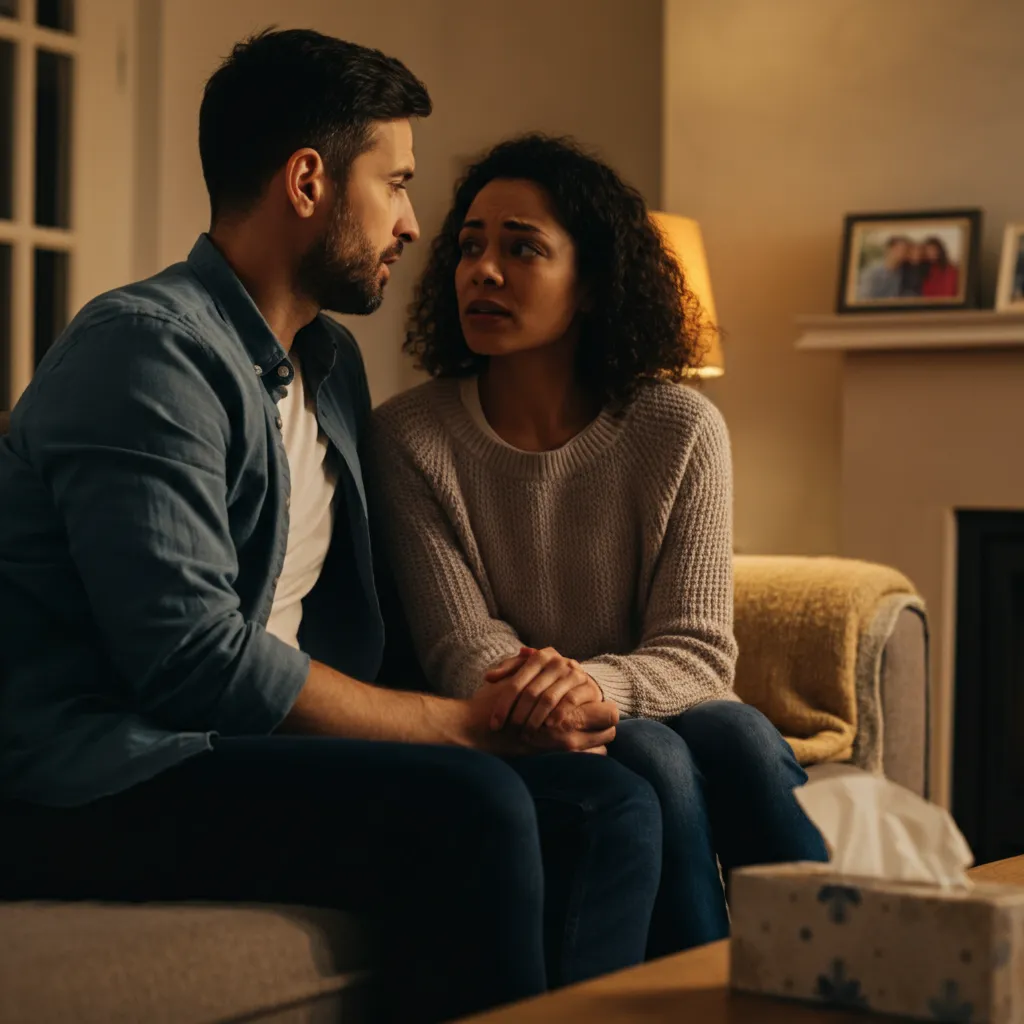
133	437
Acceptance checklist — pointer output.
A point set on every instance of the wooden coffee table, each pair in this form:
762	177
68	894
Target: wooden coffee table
689	988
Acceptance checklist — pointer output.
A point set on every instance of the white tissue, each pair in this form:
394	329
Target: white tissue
876	829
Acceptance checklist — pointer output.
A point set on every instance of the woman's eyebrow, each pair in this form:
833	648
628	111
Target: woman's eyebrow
511	225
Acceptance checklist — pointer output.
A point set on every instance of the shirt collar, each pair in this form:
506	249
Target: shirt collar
235	305
268	357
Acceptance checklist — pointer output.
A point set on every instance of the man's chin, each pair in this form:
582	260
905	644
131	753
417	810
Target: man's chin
355	305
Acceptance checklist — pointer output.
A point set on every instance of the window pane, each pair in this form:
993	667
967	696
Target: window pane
8	8
58	14
51	298
53	139
6	129
5	326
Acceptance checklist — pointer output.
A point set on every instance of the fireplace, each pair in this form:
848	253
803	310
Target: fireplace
988	745
931	422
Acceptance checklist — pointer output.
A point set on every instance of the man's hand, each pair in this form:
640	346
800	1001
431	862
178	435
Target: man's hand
542	689
333	704
589	727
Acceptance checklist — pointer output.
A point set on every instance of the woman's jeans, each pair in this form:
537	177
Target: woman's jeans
725	779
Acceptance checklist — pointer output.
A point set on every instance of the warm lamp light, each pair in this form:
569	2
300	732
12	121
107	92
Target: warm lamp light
682	236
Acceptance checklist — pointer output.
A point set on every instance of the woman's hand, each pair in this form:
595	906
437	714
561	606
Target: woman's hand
545	689
588	728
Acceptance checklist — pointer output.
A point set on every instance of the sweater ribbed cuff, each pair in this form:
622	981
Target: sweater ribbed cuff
614	683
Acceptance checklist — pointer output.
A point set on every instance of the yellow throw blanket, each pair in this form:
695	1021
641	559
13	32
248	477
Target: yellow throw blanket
799	622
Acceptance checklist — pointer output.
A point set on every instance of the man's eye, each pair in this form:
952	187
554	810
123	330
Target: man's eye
398	186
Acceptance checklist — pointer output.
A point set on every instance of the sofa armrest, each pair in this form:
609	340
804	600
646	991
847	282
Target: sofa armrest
904	702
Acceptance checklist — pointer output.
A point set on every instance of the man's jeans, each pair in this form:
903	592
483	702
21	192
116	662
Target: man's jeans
468	865
725	779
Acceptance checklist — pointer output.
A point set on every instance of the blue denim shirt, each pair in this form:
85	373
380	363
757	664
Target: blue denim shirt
143	525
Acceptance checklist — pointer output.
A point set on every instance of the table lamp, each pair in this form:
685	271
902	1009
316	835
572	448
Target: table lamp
682	236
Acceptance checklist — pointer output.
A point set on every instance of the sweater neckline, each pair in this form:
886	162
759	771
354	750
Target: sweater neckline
576	454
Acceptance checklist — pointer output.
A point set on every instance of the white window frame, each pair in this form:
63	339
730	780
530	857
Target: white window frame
21	233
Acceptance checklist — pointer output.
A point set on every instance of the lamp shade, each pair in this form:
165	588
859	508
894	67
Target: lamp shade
682	236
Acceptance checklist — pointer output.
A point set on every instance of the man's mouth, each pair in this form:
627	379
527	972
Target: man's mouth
392	255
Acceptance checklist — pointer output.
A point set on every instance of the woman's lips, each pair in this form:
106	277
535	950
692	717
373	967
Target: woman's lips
488	318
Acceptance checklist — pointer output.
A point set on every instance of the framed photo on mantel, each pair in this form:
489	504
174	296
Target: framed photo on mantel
1010	291
909	261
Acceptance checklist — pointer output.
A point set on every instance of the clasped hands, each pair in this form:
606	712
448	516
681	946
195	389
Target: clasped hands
541	700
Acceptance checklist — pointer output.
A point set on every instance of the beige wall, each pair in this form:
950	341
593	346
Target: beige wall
106	148
781	117
589	68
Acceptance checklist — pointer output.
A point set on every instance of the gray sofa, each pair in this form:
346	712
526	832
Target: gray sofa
91	963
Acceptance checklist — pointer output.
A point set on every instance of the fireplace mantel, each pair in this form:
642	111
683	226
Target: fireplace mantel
959	329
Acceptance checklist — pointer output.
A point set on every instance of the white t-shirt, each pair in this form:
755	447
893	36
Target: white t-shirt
313	484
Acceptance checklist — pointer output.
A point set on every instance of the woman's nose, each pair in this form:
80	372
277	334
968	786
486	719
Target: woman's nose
487	270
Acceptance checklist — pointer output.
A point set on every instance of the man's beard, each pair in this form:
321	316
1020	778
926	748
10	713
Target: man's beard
340	271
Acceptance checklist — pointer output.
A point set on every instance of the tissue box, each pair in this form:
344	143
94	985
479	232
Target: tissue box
800	931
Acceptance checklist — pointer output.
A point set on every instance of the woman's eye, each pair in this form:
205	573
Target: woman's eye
469	247
525	249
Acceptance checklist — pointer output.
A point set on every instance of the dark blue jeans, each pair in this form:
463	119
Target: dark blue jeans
725	779
473	870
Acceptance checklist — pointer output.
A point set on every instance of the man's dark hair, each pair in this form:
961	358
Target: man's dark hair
644	321
281	91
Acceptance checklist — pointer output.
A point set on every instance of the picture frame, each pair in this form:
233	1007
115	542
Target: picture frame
1010	289
909	261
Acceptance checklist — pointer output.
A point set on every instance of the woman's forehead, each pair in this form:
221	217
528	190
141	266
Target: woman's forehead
514	200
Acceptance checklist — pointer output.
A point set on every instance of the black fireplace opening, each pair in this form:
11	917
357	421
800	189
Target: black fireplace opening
988	724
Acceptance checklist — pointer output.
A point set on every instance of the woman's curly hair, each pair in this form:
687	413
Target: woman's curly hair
644	321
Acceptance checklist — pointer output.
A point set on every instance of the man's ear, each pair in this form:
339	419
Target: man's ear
305	181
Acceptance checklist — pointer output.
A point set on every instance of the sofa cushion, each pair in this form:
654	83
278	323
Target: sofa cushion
96	963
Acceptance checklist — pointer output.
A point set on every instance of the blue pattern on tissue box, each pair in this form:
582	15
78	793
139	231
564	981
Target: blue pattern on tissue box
837	898
949	1007
836	989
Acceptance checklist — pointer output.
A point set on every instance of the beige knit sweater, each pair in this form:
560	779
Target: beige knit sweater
615	549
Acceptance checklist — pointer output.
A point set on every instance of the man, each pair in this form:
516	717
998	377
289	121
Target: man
884	278
187	602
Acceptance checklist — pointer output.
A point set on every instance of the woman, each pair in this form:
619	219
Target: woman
557	508
942	280
913	272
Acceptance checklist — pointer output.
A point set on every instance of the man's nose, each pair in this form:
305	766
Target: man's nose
408	228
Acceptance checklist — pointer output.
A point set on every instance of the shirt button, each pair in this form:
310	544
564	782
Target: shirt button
278	422
259	370
283	371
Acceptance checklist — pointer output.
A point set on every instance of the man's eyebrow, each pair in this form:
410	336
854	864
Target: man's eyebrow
511	225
